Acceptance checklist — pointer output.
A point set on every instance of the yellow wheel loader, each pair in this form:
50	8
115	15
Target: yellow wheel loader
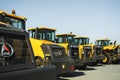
111	51
72	49
42	40
92	52
17	60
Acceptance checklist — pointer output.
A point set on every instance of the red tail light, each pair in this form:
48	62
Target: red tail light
72	68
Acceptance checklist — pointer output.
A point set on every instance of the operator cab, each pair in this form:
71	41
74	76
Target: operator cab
82	40
42	33
65	38
13	19
85	48
103	42
68	39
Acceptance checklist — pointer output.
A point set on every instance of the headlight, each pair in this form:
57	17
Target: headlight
82	52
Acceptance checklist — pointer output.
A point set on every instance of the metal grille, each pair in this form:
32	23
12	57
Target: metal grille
74	52
58	51
98	49
21	53
87	51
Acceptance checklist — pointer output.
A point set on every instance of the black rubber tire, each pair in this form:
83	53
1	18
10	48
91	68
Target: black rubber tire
109	58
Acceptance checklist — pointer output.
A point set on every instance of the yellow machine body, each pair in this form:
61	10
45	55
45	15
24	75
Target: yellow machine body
65	45
36	45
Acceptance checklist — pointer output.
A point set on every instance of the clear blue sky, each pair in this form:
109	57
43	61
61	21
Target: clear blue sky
93	18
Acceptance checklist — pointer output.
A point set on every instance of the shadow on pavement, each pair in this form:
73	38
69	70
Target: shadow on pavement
98	65
75	74
89	69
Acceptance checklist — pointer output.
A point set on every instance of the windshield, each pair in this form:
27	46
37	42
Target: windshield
84	41
81	41
64	39
18	23
103	42
42	34
47	36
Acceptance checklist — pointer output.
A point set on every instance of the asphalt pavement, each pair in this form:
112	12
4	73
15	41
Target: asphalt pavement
99	72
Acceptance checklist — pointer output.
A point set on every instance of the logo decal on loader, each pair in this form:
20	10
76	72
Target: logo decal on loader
6	50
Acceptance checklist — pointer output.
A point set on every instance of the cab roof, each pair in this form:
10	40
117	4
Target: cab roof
65	35
81	37
103	39
13	15
43	28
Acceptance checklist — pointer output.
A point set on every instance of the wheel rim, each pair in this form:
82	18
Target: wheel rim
104	60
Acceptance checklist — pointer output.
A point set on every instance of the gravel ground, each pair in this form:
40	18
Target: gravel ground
100	72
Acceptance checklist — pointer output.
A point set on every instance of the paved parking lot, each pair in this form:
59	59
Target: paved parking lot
100	72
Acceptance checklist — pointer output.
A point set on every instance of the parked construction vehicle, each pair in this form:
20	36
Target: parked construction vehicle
87	49
42	40
99	53
17	60
72	49
111	51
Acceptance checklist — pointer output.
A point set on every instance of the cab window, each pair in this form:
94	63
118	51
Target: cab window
18	23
